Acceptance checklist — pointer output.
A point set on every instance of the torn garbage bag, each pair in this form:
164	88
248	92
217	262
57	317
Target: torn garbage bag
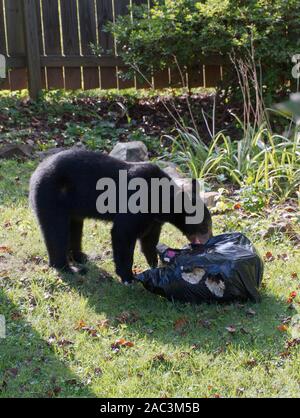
226	268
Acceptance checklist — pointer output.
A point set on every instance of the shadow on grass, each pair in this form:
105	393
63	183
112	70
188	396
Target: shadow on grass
204	327
28	365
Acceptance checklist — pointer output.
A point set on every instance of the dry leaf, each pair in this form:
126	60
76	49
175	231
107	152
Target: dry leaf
282	328
205	323
180	323
5	250
16	316
231	329
137	270
283	257
104	323
292	296
294	275
127	317
121	342
98	371
63	342
250	312
80	324
269	257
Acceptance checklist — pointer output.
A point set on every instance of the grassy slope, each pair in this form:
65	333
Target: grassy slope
44	355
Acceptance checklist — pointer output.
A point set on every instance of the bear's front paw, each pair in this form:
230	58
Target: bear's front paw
127	281
80	258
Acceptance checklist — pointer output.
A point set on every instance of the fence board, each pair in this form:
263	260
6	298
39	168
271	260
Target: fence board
15	41
105	15
212	75
15	27
65	47
41	45
195	77
176	79
32	48
18	79
71	42
39	24
52	41
2	30
88	36
4	83
161	79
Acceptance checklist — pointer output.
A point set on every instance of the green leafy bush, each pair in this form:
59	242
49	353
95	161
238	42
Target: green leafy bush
265	162
182	32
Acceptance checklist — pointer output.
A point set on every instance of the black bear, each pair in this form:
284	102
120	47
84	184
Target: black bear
63	193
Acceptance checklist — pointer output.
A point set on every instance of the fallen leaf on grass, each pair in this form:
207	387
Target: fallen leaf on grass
282	328
12	372
5	250
54	392
292	343
180	323
63	342
124	343
231	329
268	257
16	316
52	339
127	317
251	363
90	330
237	206
103	324
196	346
137	270
292	296
72	382
205	323
160	358
4	274
285	354
80	324
240	391
121	342
294	275
250	312
286	320
283	257
98	371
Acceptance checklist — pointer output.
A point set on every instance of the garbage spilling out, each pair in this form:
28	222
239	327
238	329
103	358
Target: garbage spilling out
226	268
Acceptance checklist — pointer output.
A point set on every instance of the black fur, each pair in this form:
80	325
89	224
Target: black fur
63	193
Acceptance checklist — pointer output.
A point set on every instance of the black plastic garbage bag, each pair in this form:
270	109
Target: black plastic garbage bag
227	268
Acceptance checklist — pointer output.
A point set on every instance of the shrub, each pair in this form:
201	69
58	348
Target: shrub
264	161
185	30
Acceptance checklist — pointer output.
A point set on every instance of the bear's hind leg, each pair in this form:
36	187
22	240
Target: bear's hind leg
76	228
56	231
123	243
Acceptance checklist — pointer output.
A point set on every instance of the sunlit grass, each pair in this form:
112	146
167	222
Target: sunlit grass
47	353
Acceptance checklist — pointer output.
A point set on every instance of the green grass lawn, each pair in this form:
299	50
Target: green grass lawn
61	332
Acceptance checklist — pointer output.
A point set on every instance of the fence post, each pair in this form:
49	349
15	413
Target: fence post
32	48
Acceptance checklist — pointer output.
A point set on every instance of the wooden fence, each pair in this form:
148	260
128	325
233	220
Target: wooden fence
47	44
